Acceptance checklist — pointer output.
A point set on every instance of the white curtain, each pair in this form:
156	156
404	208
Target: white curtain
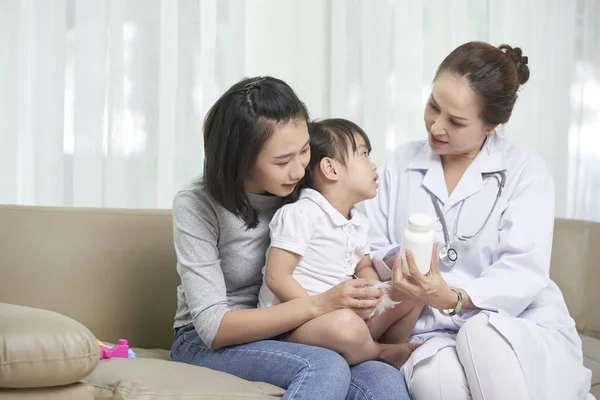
102	101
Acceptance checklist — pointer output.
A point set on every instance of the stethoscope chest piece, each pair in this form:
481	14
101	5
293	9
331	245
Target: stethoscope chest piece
447	255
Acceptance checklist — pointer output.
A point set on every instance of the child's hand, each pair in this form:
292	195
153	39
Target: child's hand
356	294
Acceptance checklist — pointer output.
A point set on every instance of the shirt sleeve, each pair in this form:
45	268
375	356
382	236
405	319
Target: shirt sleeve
522	260
292	229
196	233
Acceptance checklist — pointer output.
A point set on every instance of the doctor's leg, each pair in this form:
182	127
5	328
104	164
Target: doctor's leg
440	377
490	364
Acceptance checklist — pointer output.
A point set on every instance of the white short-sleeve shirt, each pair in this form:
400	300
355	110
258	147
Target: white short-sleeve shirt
329	244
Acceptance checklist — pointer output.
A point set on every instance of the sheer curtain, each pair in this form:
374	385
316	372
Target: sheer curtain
102	101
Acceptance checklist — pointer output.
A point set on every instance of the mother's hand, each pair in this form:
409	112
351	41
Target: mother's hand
356	294
431	289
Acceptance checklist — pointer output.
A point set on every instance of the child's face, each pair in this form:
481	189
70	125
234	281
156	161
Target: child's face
360	174
282	161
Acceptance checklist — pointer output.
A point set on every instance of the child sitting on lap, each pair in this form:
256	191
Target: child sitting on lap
321	240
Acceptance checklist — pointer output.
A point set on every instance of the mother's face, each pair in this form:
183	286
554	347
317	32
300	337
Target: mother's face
282	161
452	117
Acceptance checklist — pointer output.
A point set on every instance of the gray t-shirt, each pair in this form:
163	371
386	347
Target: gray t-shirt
218	259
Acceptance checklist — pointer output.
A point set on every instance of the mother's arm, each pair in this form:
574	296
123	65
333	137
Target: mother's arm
195	228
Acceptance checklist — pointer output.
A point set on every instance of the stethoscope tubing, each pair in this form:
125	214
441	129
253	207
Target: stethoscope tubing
447	254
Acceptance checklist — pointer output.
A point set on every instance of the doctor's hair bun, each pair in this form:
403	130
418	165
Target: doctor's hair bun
516	55
495	74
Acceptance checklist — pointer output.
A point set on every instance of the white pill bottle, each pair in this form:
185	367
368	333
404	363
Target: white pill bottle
419	238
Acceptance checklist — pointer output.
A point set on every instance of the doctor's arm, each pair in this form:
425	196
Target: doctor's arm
521	265
521	262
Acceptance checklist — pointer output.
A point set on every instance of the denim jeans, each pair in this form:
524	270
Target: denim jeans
306	372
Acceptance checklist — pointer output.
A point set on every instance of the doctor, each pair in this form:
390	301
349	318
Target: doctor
495	326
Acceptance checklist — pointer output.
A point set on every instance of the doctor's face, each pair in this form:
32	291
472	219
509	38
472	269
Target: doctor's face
452	117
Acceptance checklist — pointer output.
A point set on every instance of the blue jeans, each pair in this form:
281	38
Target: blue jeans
306	372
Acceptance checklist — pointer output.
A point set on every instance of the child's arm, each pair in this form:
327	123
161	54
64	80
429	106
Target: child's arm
278	275
365	269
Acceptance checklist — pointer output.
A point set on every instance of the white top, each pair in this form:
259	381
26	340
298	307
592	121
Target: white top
330	245
504	269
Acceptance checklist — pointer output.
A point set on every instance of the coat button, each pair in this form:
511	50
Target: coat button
438	226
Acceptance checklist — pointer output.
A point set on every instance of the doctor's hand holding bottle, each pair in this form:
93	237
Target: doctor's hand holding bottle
430	288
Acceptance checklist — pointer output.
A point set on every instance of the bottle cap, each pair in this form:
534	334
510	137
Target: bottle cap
420	222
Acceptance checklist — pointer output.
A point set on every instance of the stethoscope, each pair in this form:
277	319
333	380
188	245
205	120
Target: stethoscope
447	254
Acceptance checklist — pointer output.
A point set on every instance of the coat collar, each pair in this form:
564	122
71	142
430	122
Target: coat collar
491	158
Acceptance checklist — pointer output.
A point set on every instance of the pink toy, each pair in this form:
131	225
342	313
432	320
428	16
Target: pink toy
120	350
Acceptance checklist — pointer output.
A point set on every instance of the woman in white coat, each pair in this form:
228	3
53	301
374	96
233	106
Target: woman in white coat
495	326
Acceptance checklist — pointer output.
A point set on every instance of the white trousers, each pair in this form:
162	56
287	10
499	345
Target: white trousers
482	366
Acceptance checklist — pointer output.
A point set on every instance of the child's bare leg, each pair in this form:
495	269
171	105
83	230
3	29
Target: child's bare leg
346	333
342	331
401	330
396	325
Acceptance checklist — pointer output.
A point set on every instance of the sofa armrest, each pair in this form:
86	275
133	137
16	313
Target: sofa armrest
40	348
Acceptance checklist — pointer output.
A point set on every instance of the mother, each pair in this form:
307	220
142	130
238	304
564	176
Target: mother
257	148
496	326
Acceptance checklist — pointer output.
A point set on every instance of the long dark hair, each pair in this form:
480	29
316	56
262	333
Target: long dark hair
235	130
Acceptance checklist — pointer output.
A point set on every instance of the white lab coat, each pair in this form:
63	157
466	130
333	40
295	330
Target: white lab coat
504	269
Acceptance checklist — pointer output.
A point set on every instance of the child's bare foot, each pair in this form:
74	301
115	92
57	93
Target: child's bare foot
397	354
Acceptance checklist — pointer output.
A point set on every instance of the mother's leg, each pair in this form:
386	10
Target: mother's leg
306	372
375	380
490	363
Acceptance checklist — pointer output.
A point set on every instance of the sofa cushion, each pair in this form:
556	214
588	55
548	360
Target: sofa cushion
591	353
40	348
112	270
158	354
145	379
76	391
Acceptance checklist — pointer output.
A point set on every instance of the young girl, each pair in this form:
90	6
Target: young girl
256	148
321	240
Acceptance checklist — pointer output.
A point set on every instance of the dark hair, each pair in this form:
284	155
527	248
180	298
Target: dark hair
494	74
235	130
331	138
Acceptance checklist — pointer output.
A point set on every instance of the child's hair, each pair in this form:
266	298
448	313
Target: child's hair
332	138
235	129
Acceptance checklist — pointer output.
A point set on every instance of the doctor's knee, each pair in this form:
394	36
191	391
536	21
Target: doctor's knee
476	336
440	377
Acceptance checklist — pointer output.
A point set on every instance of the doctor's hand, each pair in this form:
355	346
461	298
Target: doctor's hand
431	289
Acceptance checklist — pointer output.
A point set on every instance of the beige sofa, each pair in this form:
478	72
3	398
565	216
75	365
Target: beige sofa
113	271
